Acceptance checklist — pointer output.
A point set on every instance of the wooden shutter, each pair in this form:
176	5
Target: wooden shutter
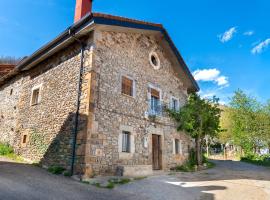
155	93
127	86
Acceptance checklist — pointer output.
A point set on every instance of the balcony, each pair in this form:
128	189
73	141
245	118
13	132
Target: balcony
155	107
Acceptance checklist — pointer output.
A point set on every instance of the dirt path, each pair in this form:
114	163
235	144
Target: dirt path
227	181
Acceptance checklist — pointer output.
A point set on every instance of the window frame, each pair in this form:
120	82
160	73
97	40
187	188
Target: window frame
177	146
133	86
155	55
151	86
171	103
37	87
127	148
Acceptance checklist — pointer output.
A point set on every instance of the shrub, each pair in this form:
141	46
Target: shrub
110	185
5	149
256	159
56	169
67	173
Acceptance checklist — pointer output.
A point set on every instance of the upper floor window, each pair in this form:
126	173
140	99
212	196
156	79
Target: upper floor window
35	96
127	86
174	104
154	60
155	101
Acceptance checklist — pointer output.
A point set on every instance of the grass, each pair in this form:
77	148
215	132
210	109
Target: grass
8	152
112	183
140	178
56	170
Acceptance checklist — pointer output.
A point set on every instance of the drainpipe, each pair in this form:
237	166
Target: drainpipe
76	123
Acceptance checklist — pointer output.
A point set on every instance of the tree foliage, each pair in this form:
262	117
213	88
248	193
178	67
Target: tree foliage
9	60
199	117
250	122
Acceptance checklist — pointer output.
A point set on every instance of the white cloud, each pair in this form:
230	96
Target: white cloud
261	46
248	33
228	35
211	75
222	80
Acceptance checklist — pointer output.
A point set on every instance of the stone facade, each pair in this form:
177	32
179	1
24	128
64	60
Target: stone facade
117	54
104	111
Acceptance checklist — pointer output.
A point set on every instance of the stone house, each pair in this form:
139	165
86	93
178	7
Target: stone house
92	99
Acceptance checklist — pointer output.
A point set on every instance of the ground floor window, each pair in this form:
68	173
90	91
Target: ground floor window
126	141
177	146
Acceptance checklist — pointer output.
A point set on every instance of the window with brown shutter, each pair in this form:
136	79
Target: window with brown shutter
155	93
127	86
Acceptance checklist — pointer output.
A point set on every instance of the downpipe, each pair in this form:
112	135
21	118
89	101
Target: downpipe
76	122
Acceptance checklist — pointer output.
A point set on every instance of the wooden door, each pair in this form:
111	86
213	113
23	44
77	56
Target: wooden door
156	152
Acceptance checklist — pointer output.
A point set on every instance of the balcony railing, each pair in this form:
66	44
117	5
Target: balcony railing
156	108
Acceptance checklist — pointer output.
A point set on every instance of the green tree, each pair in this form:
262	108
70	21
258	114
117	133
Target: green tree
248	121
226	125
199	117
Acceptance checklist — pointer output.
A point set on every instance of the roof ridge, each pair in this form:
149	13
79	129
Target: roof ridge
126	19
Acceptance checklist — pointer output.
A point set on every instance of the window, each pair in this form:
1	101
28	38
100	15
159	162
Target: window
35	96
154	60
127	86
24	139
126	141
11	92
177	146
174	104
155	102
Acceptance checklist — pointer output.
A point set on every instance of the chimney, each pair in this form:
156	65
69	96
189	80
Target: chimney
83	7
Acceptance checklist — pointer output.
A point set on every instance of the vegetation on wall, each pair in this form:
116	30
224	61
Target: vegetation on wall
37	140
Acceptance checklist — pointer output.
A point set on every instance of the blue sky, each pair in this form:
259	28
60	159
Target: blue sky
224	43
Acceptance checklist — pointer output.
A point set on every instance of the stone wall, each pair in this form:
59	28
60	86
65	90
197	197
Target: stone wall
9	97
118	54
48	125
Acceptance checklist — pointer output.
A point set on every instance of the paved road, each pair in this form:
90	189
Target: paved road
227	181
26	182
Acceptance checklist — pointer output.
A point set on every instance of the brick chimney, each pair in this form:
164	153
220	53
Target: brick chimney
83	7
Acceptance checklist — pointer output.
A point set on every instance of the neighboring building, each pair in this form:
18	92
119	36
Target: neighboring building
5	69
112	119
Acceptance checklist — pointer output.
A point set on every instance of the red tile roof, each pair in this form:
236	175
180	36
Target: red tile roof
6	68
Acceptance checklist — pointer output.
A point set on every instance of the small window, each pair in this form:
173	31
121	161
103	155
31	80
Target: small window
127	86
24	139
177	146
35	96
174	104
126	141
154	60
11	92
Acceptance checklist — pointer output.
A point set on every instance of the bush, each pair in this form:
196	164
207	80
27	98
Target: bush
56	169
5	149
256	159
